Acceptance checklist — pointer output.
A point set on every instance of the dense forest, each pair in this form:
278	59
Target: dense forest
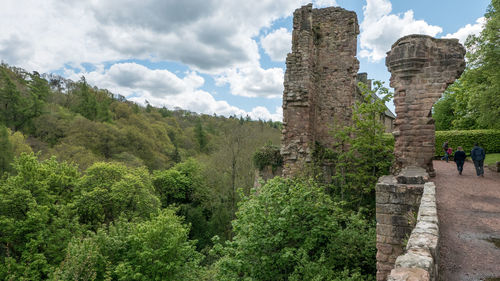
95	187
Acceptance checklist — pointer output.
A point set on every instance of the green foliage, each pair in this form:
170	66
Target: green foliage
200	135
6	155
363	151
18	142
156	249
116	221
35	218
268	155
473	102
291	230
443	112
85	102
492	158
111	190
487	139
184	185
21	99
180	184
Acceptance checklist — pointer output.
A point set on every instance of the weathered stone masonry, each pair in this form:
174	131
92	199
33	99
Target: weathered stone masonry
421	67
320	81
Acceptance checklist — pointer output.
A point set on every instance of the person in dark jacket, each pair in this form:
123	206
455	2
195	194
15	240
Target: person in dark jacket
477	154
459	158
445	148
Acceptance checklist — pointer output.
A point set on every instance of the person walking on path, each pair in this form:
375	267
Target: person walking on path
445	148
477	155
459	158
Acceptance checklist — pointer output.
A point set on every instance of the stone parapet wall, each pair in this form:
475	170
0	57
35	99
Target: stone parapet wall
397	202
420	260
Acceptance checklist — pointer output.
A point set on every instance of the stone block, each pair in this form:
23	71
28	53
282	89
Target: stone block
409	274
412	175
416	259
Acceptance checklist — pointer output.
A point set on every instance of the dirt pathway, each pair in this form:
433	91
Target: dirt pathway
469	215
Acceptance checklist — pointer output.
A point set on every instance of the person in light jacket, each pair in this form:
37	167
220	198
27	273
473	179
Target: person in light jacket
477	154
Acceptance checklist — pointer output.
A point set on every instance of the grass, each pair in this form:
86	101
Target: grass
492	158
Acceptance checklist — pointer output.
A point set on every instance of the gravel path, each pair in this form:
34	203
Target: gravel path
469	215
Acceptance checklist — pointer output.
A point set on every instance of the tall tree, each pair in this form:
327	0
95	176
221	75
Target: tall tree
201	136
474	100
6	155
10	99
363	152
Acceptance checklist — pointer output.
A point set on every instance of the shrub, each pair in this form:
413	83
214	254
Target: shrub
487	139
268	155
292	230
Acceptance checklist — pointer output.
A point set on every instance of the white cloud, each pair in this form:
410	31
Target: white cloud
163	88
207	35
49	33
380	29
262	113
277	44
324	3
253	81
469	29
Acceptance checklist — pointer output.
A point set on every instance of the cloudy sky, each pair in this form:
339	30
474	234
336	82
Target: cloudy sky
208	56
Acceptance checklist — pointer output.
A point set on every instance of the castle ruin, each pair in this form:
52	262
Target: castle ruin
320	82
421	69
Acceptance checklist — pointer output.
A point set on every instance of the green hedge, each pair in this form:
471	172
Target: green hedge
487	139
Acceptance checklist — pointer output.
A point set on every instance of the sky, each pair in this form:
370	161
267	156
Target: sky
208	56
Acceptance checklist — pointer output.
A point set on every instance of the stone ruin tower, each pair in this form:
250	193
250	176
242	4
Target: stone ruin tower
320	82
421	69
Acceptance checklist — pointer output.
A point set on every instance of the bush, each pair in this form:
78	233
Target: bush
155	249
268	155
487	139
292	230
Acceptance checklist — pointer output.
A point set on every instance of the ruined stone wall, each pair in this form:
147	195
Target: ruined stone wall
421	68
397	202
420	261
262	176
320	81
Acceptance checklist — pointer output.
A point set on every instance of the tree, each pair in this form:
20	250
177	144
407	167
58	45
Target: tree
6	155
156	249
85	101
21	100
362	151
111	190
184	186
18	142
39	91
292	230
11	110
36	221
200	135
474	99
